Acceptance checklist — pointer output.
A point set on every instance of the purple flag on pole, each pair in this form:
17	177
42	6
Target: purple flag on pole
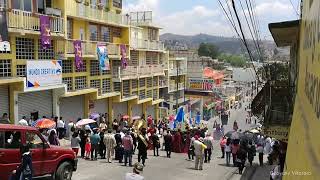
124	62
45	31
78	54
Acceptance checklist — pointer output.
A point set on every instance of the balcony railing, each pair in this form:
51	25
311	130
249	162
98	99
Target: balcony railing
141	18
181	71
94	13
25	20
89	48
133	72
147	44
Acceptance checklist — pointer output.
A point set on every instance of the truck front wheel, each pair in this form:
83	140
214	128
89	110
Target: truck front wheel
64	171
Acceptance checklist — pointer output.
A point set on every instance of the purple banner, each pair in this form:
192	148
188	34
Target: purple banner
45	32
78	54
124	62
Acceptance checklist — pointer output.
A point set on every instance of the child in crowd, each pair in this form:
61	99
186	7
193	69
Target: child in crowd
88	148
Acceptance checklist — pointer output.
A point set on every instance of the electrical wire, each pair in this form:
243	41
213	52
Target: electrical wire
294	8
244	39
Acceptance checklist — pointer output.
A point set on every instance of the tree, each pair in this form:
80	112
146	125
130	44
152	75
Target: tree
233	60
208	49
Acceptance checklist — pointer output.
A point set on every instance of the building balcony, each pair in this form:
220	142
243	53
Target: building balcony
95	14
163	83
143	18
28	22
181	71
143	44
134	72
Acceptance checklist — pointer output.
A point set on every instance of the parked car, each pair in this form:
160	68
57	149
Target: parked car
47	160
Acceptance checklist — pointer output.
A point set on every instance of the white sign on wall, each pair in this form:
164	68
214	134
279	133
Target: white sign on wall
44	73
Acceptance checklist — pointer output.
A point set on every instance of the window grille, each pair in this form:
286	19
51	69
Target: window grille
21	70
117	86
24	48
106	86
134	84
68	82
5	68
134	58
126	88
80	82
149	94
142	82
149	82
96	84
67	66
48	53
83	68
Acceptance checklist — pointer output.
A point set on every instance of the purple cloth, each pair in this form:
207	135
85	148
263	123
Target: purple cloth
45	32
124	62
78	54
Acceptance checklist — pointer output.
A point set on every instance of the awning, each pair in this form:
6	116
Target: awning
285	33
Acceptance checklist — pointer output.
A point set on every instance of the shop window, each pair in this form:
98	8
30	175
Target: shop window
106	86
10	139
67	66
94	68
21	70
80	82
5	67
96	84
142	82
34	141
48	53
68	82
24	48
83	67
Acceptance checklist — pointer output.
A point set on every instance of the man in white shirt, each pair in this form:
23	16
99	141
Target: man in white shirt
23	121
60	128
199	148
135	175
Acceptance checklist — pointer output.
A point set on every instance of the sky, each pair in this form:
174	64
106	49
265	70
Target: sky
190	17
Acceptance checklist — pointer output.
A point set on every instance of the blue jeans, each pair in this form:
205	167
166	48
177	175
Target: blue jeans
128	155
228	158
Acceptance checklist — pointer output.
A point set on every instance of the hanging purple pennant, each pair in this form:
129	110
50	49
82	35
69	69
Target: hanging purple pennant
78	54
45	32
124	62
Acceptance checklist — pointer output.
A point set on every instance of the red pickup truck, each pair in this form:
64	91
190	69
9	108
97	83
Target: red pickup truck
55	161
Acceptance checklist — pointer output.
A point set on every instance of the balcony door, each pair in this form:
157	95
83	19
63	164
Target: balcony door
25	5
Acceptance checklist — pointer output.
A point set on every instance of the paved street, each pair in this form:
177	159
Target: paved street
159	168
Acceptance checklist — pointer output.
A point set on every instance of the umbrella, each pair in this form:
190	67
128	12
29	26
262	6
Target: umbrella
45	124
85	122
125	117
254	131
229	134
136	117
94	115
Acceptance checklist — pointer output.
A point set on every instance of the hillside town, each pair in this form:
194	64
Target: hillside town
99	89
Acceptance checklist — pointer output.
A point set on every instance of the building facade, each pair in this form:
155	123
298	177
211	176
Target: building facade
130	83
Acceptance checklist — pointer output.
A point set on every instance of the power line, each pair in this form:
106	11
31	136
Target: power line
244	39
294	8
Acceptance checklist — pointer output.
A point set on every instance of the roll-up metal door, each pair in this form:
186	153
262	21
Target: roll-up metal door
100	106
72	108
137	110
119	108
4	100
40	101
151	111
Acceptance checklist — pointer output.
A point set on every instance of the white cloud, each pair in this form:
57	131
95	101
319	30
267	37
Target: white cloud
142	5
273	8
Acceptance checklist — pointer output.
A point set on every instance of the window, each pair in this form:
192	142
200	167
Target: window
96	84
149	94
5	67
21	70
66	66
27	5
3	3
155	94
155	81
83	68
69	28
49	3
142	82
152	34
134	56
105	34
106	86
94	68
149	82
24	48
10	139
80	82
93	32
41	7
134	84
117	86
135	93
116	32
34	141
142	94
47	54
68	82
126	88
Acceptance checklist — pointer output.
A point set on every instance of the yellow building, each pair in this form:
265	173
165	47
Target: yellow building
133	90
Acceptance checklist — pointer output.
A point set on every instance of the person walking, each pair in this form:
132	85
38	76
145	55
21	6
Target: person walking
134	139
110	144
128	147
156	144
208	151
227	149
136	174
60	128
94	139
251	152
223	142
260	152
25	170
102	146
118	148
234	149
142	146
168	143
191	149
75	143
241	157
83	136
199	148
